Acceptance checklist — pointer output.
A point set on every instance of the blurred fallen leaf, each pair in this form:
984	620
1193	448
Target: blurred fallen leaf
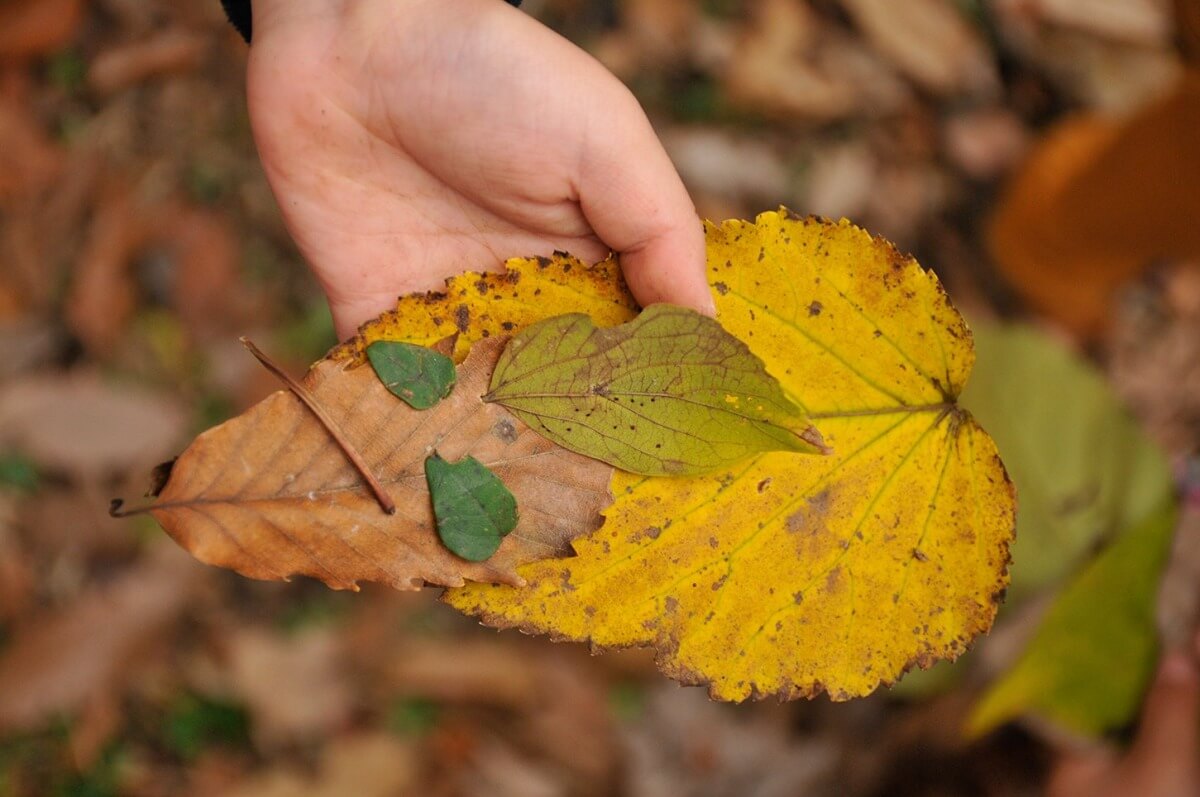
1113	74
29	160
365	764
465	671
87	426
1164	758
294	686
1096	203
206	290
986	144
738	167
789	64
58	660
171	51
17	577
1153	359
1187	26
931	42
102	295
1145	22
685	744
32	28
1084	469
1091	658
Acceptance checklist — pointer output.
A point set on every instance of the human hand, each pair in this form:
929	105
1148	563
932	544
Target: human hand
409	140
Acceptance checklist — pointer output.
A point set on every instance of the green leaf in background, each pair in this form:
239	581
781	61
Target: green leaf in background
419	376
17	470
670	393
472	507
1084	471
194	723
1094	653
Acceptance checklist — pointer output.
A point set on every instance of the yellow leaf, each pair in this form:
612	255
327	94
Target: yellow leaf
480	305
787	574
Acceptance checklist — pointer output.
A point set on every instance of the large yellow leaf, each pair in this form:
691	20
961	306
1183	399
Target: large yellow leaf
787	574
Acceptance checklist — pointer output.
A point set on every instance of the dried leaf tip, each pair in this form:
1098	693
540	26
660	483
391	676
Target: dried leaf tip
813	437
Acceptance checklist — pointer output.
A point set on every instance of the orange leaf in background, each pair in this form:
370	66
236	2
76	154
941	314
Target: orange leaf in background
1097	202
29	28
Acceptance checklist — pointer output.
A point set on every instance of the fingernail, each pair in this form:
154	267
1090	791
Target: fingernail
1177	669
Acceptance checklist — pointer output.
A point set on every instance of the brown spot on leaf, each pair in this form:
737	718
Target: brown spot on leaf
721	288
462	317
505	430
815	308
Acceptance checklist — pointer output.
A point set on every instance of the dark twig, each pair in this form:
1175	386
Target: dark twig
385	501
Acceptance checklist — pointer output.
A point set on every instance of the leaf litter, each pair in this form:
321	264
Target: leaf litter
783	574
271	494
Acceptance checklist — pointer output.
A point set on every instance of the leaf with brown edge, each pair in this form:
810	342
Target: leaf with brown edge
789	575
270	494
670	393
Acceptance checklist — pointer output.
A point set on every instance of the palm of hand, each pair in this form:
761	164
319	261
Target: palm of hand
405	145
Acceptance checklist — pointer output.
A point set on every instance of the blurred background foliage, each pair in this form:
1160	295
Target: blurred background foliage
1040	155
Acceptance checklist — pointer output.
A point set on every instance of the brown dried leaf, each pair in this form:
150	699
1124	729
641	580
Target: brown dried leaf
1097	202
29	159
294	685
103	295
203	246
269	494
790	65
56	662
28	30
79	423
368	764
929	41
167	52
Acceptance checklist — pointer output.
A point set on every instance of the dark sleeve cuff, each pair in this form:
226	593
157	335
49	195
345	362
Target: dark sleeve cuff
239	15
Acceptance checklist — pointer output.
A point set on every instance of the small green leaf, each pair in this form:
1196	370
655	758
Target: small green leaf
419	376
670	393
473	508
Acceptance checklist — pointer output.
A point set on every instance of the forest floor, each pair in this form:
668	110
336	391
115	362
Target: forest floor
139	240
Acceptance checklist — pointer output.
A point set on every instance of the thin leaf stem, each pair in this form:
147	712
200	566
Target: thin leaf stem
385	501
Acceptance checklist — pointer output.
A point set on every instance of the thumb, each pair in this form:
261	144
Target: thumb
635	202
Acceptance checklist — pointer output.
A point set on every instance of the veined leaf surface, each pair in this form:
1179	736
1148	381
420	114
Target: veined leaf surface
783	575
668	394
269	494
